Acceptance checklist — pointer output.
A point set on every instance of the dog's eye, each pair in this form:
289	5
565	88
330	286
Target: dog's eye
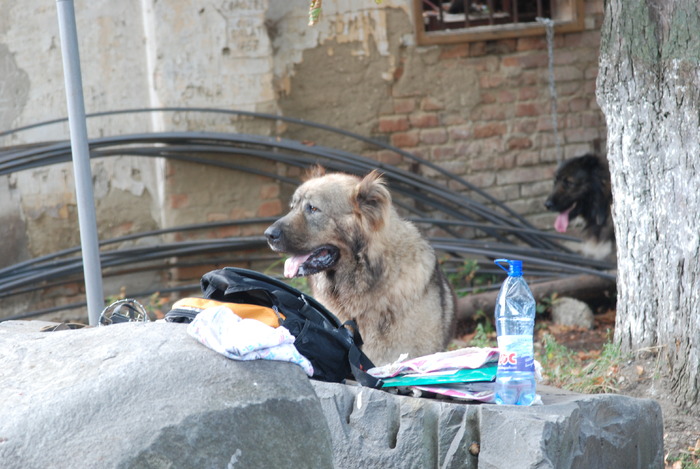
311	208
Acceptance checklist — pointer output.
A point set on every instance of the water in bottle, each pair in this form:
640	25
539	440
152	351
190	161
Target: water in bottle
515	323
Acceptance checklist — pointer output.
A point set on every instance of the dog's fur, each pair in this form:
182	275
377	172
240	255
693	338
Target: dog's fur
582	189
366	263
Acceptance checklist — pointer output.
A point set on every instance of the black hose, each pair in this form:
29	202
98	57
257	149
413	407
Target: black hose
500	232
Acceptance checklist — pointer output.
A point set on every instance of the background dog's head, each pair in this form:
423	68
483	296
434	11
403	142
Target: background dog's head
330	217
581	188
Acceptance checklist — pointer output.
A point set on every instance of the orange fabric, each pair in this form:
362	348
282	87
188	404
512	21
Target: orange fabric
247	311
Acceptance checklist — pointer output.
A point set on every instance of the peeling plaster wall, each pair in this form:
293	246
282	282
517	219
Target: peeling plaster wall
339	70
114	77
111	45
134	54
214	54
14	246
14	88
364	25
140	53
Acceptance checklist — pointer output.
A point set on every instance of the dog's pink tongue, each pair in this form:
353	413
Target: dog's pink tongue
562	221
292	264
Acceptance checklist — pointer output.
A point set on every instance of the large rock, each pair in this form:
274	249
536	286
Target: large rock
148	395
376	429
573	431
372	428
568	311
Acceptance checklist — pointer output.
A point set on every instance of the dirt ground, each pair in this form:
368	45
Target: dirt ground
641	377
638	378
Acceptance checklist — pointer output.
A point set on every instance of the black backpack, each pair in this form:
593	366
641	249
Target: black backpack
332	347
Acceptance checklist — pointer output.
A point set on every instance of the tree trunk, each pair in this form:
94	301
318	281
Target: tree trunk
649	90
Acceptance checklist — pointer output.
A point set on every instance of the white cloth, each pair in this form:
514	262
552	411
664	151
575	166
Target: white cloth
245	339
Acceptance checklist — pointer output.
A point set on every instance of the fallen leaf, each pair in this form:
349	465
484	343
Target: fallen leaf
474	449
640	370
588	355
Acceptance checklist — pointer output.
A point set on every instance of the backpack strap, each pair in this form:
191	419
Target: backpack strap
358	363
356	337
228	286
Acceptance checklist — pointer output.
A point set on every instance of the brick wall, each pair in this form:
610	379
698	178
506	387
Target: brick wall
505	144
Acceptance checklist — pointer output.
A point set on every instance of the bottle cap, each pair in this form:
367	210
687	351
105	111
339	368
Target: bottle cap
515	268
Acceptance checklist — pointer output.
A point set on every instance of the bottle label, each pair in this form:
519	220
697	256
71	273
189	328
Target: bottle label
517	353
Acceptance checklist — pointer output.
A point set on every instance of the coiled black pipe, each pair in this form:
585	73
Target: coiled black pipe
427	202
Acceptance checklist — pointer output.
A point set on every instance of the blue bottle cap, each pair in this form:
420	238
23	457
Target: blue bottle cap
515	268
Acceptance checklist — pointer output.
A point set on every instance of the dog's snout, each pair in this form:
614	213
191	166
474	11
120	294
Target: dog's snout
549	205
273	234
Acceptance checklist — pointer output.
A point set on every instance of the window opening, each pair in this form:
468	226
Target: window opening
451	15
442	21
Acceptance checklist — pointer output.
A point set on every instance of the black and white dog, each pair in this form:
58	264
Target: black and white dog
582	189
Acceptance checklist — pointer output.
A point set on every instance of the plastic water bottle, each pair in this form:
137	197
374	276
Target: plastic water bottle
515	323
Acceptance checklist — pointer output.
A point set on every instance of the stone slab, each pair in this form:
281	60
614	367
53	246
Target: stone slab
372	428
149	396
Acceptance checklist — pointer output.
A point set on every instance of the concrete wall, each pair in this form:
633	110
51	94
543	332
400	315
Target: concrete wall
134	54
479	109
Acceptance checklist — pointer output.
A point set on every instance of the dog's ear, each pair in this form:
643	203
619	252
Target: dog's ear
591	162
601	212
315	171
601	194
372	200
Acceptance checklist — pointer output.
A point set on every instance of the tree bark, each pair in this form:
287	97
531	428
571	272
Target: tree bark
649	90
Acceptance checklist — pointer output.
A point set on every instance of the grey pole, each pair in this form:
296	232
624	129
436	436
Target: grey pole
81	160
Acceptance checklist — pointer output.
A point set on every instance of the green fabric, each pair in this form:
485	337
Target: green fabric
458	376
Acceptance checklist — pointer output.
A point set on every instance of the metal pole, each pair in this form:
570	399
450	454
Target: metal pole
81	160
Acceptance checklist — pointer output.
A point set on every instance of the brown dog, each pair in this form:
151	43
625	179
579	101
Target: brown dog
366	263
